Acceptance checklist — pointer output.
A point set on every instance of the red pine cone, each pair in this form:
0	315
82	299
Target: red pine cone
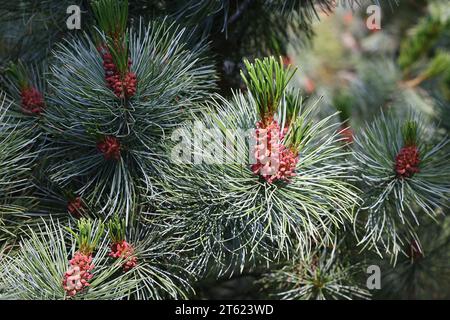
407	162
110	147
116	85
75	207
77	276
124	250
121	87
273	160
32	101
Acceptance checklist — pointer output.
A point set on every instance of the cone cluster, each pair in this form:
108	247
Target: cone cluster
407	162
347	134
125	251
110	147
75	207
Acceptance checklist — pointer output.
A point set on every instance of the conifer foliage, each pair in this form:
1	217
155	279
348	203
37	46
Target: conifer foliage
114	95
294	194
404	173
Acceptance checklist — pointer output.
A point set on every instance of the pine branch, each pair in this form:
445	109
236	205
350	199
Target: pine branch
227	214
43	260
239	11
86	116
